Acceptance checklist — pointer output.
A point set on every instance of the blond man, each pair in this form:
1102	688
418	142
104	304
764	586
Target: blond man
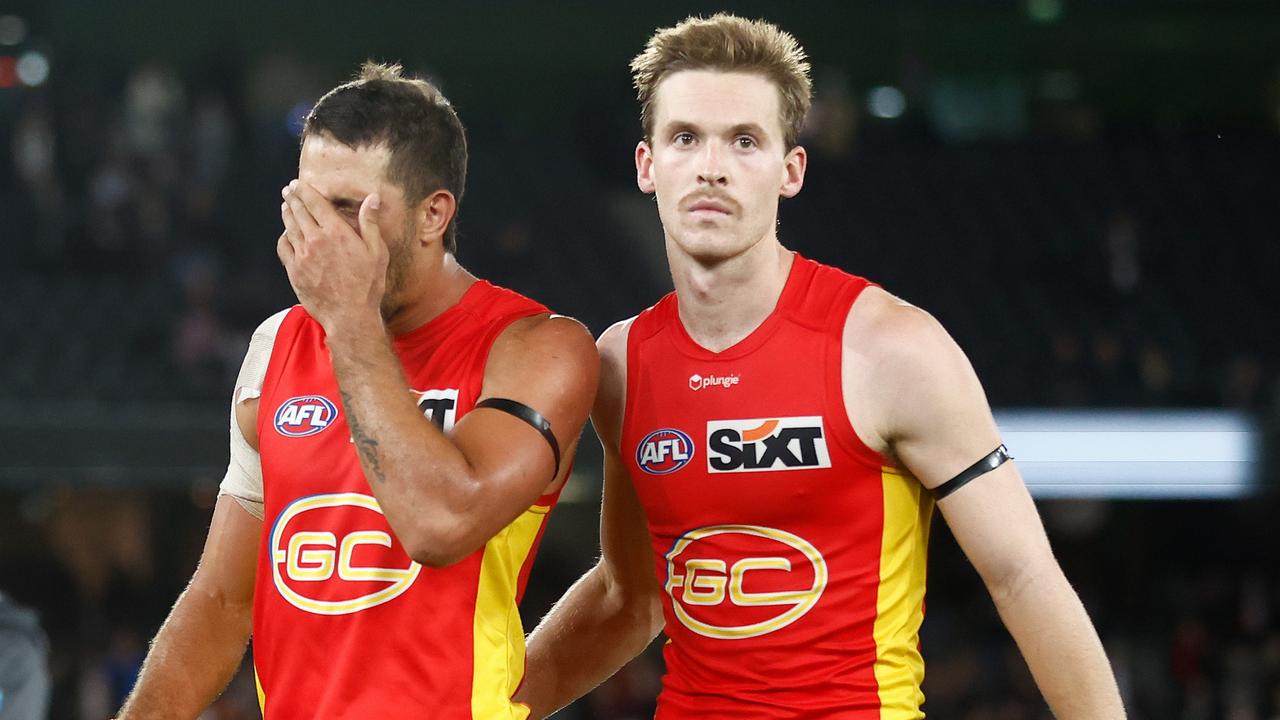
777	435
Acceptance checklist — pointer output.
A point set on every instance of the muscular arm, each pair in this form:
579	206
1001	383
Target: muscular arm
612	613
201	643
933	416
445	495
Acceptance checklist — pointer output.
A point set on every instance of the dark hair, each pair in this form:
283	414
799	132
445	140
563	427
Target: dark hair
412	118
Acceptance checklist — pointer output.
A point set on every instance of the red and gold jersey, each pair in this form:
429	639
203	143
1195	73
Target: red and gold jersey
345	624
792	556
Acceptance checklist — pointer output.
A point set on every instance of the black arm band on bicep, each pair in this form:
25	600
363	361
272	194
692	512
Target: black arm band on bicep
993	460
531	416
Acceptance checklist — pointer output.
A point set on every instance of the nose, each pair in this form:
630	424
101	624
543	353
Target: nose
712	172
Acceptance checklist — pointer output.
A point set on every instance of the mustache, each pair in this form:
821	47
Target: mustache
689	201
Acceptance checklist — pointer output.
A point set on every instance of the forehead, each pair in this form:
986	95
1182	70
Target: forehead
325	161
710	98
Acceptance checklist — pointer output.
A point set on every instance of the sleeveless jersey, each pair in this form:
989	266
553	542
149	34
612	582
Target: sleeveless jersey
791	555
345	624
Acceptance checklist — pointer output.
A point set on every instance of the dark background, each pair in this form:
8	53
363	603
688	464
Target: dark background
1087	194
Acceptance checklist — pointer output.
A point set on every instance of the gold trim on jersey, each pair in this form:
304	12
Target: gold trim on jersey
899	668
497	633
262	695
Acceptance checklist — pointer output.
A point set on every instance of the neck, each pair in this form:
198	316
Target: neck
432	288
723	302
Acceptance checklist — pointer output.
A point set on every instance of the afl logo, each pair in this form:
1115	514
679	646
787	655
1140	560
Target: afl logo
334	555
665	451
305	415
733	582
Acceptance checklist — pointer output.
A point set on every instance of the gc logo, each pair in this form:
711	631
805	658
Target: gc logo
741	581
303	566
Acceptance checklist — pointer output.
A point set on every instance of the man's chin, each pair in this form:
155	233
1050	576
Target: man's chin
712	248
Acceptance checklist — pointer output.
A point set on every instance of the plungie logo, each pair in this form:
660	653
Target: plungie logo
699	382
664	451
334	555
766	444
733	582
305	415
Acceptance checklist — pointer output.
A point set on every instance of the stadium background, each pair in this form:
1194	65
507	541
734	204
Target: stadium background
1087	194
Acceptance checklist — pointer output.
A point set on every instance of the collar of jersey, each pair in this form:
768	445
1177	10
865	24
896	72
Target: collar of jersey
796	277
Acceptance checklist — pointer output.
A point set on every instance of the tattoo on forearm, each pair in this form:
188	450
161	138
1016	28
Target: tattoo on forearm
366	446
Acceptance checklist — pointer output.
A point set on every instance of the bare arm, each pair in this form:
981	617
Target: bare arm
201	643
613	612
443	495
937	422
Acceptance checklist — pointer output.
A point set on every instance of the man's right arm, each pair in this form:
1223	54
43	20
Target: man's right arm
199	647
614	611
201	643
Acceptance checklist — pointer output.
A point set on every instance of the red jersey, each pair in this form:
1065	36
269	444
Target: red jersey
792	556
345	624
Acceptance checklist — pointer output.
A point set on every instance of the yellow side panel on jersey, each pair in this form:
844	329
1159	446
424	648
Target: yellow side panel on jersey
498	633
899	667
262	696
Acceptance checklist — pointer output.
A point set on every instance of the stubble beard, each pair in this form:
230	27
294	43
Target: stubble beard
399	260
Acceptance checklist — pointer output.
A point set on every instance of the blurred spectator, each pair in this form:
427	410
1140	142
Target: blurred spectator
24	673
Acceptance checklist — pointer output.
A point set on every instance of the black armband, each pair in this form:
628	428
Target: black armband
993	460
530	416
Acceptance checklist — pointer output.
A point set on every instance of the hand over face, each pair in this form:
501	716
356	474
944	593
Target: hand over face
338	273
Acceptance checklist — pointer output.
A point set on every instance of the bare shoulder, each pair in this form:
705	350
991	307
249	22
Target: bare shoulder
611	397
903	374
613	344
548	363
884	327
545	339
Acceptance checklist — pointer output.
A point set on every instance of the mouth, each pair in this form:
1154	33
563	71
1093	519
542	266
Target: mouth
709	209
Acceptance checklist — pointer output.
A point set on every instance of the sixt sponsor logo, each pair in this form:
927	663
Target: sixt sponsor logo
305	415
664	451
766	444
733	582
440	406
701	382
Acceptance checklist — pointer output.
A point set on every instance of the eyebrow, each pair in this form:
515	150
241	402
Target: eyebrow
679	126
747	129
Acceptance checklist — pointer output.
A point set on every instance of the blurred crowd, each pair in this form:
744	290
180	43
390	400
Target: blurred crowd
1075	272
1076	268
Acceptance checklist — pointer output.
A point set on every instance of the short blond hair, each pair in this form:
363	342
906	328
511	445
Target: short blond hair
726	43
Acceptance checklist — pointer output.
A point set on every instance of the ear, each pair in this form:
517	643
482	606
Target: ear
434	213
644	167
793	172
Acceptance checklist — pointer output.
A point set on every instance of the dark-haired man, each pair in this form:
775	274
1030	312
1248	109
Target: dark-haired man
397	442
